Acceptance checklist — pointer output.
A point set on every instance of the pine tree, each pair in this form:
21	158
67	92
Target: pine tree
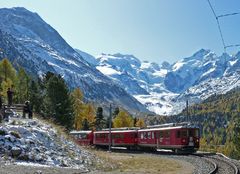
35	97
116	112
135	121
58	101
85	124
22	86
99	124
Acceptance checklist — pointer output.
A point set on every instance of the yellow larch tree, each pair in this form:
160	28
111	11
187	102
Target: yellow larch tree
140	123
123	119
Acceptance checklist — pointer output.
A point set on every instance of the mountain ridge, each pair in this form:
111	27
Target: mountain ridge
165	88
30	42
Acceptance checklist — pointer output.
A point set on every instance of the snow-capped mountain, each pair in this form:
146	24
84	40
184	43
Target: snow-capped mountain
165	88
30	42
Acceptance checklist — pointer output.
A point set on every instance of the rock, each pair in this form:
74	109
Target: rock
23	157
10	138
64	163
16	151
38	172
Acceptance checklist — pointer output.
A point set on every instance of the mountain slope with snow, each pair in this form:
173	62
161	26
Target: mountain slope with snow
30	42
165	88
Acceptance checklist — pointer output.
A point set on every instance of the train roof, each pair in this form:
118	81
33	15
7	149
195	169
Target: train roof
168	127
81	132
115	131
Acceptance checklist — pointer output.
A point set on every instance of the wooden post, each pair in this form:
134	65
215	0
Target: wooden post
110	128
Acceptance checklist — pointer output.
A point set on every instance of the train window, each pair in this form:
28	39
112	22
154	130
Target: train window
152	135
121	136
184	133
167	134
178	134
149	135
145	135
98	135
142	135
161	134
82	136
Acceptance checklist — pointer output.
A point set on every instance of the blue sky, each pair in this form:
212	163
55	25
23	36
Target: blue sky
154	30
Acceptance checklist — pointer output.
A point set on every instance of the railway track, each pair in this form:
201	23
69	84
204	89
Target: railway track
221	164
204	163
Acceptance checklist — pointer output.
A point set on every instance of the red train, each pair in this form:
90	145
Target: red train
176	137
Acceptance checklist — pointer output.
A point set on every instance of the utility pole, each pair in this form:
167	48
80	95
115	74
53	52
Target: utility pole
110	127
187	111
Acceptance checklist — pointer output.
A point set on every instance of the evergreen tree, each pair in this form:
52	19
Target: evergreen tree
35	97
22	86
58	101
135	121
85	124
116	112
99	119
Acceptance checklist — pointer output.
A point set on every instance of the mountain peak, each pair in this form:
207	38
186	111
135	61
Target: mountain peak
201	53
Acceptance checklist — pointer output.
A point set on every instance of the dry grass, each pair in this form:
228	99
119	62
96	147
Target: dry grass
143	163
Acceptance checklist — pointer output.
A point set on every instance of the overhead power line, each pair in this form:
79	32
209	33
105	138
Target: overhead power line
230	14
219	26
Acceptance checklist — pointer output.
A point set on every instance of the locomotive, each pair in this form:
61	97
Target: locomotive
180	137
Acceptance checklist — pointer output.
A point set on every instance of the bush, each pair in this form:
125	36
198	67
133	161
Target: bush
3	132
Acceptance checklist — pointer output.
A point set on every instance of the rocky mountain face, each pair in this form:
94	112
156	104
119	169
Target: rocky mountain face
30	42
165	88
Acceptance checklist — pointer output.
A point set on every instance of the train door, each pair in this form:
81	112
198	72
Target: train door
191	140
159	139
167	137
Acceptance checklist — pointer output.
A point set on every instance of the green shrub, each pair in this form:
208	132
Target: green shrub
3	132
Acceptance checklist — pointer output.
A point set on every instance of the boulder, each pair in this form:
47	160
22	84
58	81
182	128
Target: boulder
16	151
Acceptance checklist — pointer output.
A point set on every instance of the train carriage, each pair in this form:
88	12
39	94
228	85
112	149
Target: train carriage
177	138
121	138
84	138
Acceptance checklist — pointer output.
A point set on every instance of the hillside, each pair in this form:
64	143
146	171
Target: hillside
28	41
218	118
38	143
